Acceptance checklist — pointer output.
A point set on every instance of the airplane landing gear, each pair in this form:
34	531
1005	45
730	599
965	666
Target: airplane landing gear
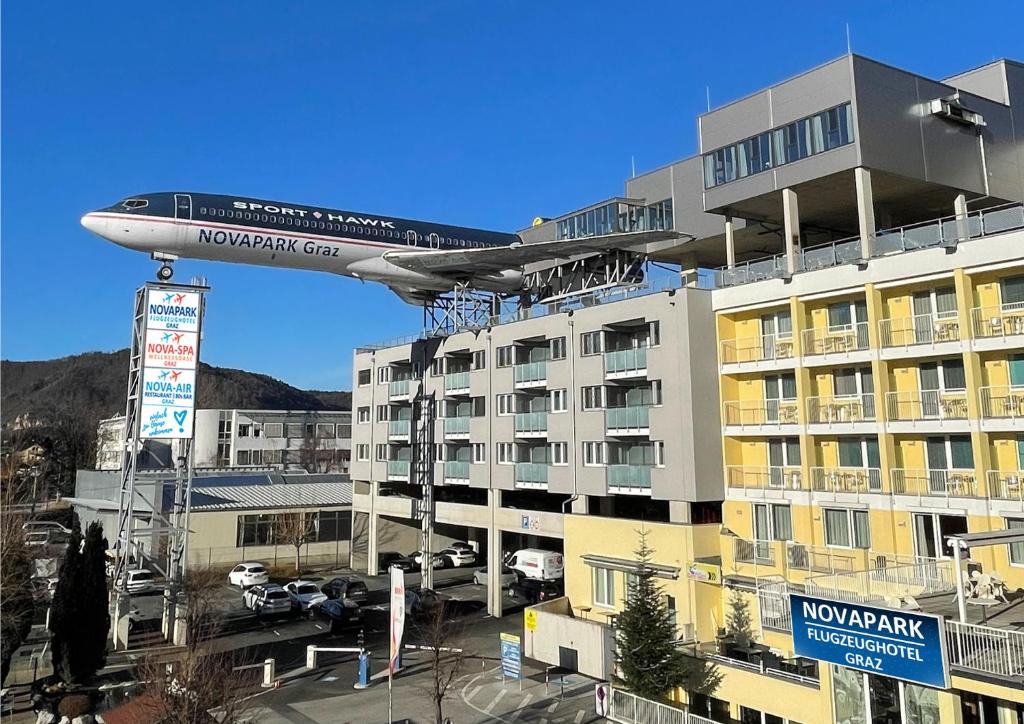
165	272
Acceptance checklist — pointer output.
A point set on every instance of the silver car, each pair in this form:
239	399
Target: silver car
267	600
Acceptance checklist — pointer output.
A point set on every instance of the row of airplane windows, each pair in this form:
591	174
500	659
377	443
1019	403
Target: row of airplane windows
411	237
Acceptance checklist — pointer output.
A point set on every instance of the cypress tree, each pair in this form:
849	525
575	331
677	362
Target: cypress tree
650	664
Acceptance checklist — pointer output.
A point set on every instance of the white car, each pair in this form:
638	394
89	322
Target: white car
140	581
36	525
459	557
305	594
507	578
439	560
248	574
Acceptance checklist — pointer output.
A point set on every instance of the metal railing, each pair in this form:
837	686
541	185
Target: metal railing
846	480
764	477
629	477
531	474
836	340
631	418
1006	485
828	409
399	428
456	470
531	373
398	468
398	388
754	551
919	329
531	423
456	382
623	361
762	412
1001	402
759	348
1001	321
628	708
456	425
773	604
953	483
924	577
802	557
985	649
910	406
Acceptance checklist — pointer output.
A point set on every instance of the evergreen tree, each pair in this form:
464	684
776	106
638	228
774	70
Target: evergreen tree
738	621
649	662
79	617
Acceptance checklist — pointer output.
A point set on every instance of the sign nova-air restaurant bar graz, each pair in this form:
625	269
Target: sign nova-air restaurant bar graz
906	645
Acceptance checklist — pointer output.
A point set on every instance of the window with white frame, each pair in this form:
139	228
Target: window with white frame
505	404
557	347
242	457
363	452
654	336
592	398
273	429
383	375
847	528
604	587
504	356
362	415
479	359
383	413
772	522
1016	549
440	454
505	453
559	401
559	453
479	452
323	430
590	343
594	453
363	377
244	430
437	367
659	454
382	453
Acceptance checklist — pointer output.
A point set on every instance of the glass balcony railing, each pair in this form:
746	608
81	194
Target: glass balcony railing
1002	321
398	388
953	483
531	474
1000	402
531	373
634	417
759	348
456	470
926	405
838	410
846	480
625	361
531	423
399	428
456	382
629	477
836	340
398	468
920	329
456	425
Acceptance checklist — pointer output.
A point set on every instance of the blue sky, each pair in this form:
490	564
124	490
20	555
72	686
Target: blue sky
474	113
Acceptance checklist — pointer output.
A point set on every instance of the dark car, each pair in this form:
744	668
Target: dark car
405	563
385	559
346	587
533	590
424	601
339	612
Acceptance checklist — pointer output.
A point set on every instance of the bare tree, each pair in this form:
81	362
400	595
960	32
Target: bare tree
314	455
16	569
442	637
294	529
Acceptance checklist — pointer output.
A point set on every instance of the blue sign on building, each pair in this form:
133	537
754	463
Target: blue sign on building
905	645
511	656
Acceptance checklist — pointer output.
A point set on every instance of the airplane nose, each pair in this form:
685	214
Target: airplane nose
94	223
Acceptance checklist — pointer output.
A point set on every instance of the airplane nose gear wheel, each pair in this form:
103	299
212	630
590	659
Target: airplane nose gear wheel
165	273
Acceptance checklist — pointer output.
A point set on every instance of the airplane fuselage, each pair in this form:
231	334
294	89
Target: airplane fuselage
253	231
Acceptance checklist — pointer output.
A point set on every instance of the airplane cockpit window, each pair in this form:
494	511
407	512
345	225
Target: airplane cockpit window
134	203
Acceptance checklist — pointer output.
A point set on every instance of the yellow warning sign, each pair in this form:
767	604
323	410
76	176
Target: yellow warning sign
531	619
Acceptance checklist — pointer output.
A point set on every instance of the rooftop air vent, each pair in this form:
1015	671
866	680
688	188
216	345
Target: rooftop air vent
953	110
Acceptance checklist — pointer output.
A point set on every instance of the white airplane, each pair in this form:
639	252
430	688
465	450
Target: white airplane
416	259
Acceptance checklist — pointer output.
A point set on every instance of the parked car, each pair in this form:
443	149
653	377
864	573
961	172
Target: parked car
387	558
140	581
248	574
37	538
424	601
267	599
439	561
533	590
458	557
407	563
461	545
36	525
537	563
507	578
304	594
339	612
346	587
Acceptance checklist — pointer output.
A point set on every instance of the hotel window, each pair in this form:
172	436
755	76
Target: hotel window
505	453
383	375
604	587
772	522
363	453
362	415
948	453
479	359
931	530
479	452
1016	549
590	343
843	315
364	377
559	401
505	404
559	453
1011	293
557	347
847	528
504	356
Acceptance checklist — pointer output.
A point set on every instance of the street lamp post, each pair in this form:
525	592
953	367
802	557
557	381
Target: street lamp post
35	484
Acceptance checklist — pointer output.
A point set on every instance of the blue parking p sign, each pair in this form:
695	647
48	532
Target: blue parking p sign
906	645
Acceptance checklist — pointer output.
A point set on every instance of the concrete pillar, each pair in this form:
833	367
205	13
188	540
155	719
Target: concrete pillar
494	555
960	209
865	210
678	511
579	506
791	224
730	242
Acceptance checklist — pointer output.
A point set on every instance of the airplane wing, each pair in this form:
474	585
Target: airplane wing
464	263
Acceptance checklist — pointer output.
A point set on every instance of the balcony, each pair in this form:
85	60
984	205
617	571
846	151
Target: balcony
531	475
757	417
996	328
760	552
920	334
764	481
1006	485
398	470
625	363
761	352
629	479
1002	408
846	481
456	471
802	557
631	420
953	483
848	343
843	414
456	383
532	424
456	428
398	390
531	374
400	430
927	411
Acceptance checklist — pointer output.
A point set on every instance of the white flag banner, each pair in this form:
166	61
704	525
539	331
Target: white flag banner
397	616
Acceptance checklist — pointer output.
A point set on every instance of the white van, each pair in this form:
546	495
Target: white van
537	563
